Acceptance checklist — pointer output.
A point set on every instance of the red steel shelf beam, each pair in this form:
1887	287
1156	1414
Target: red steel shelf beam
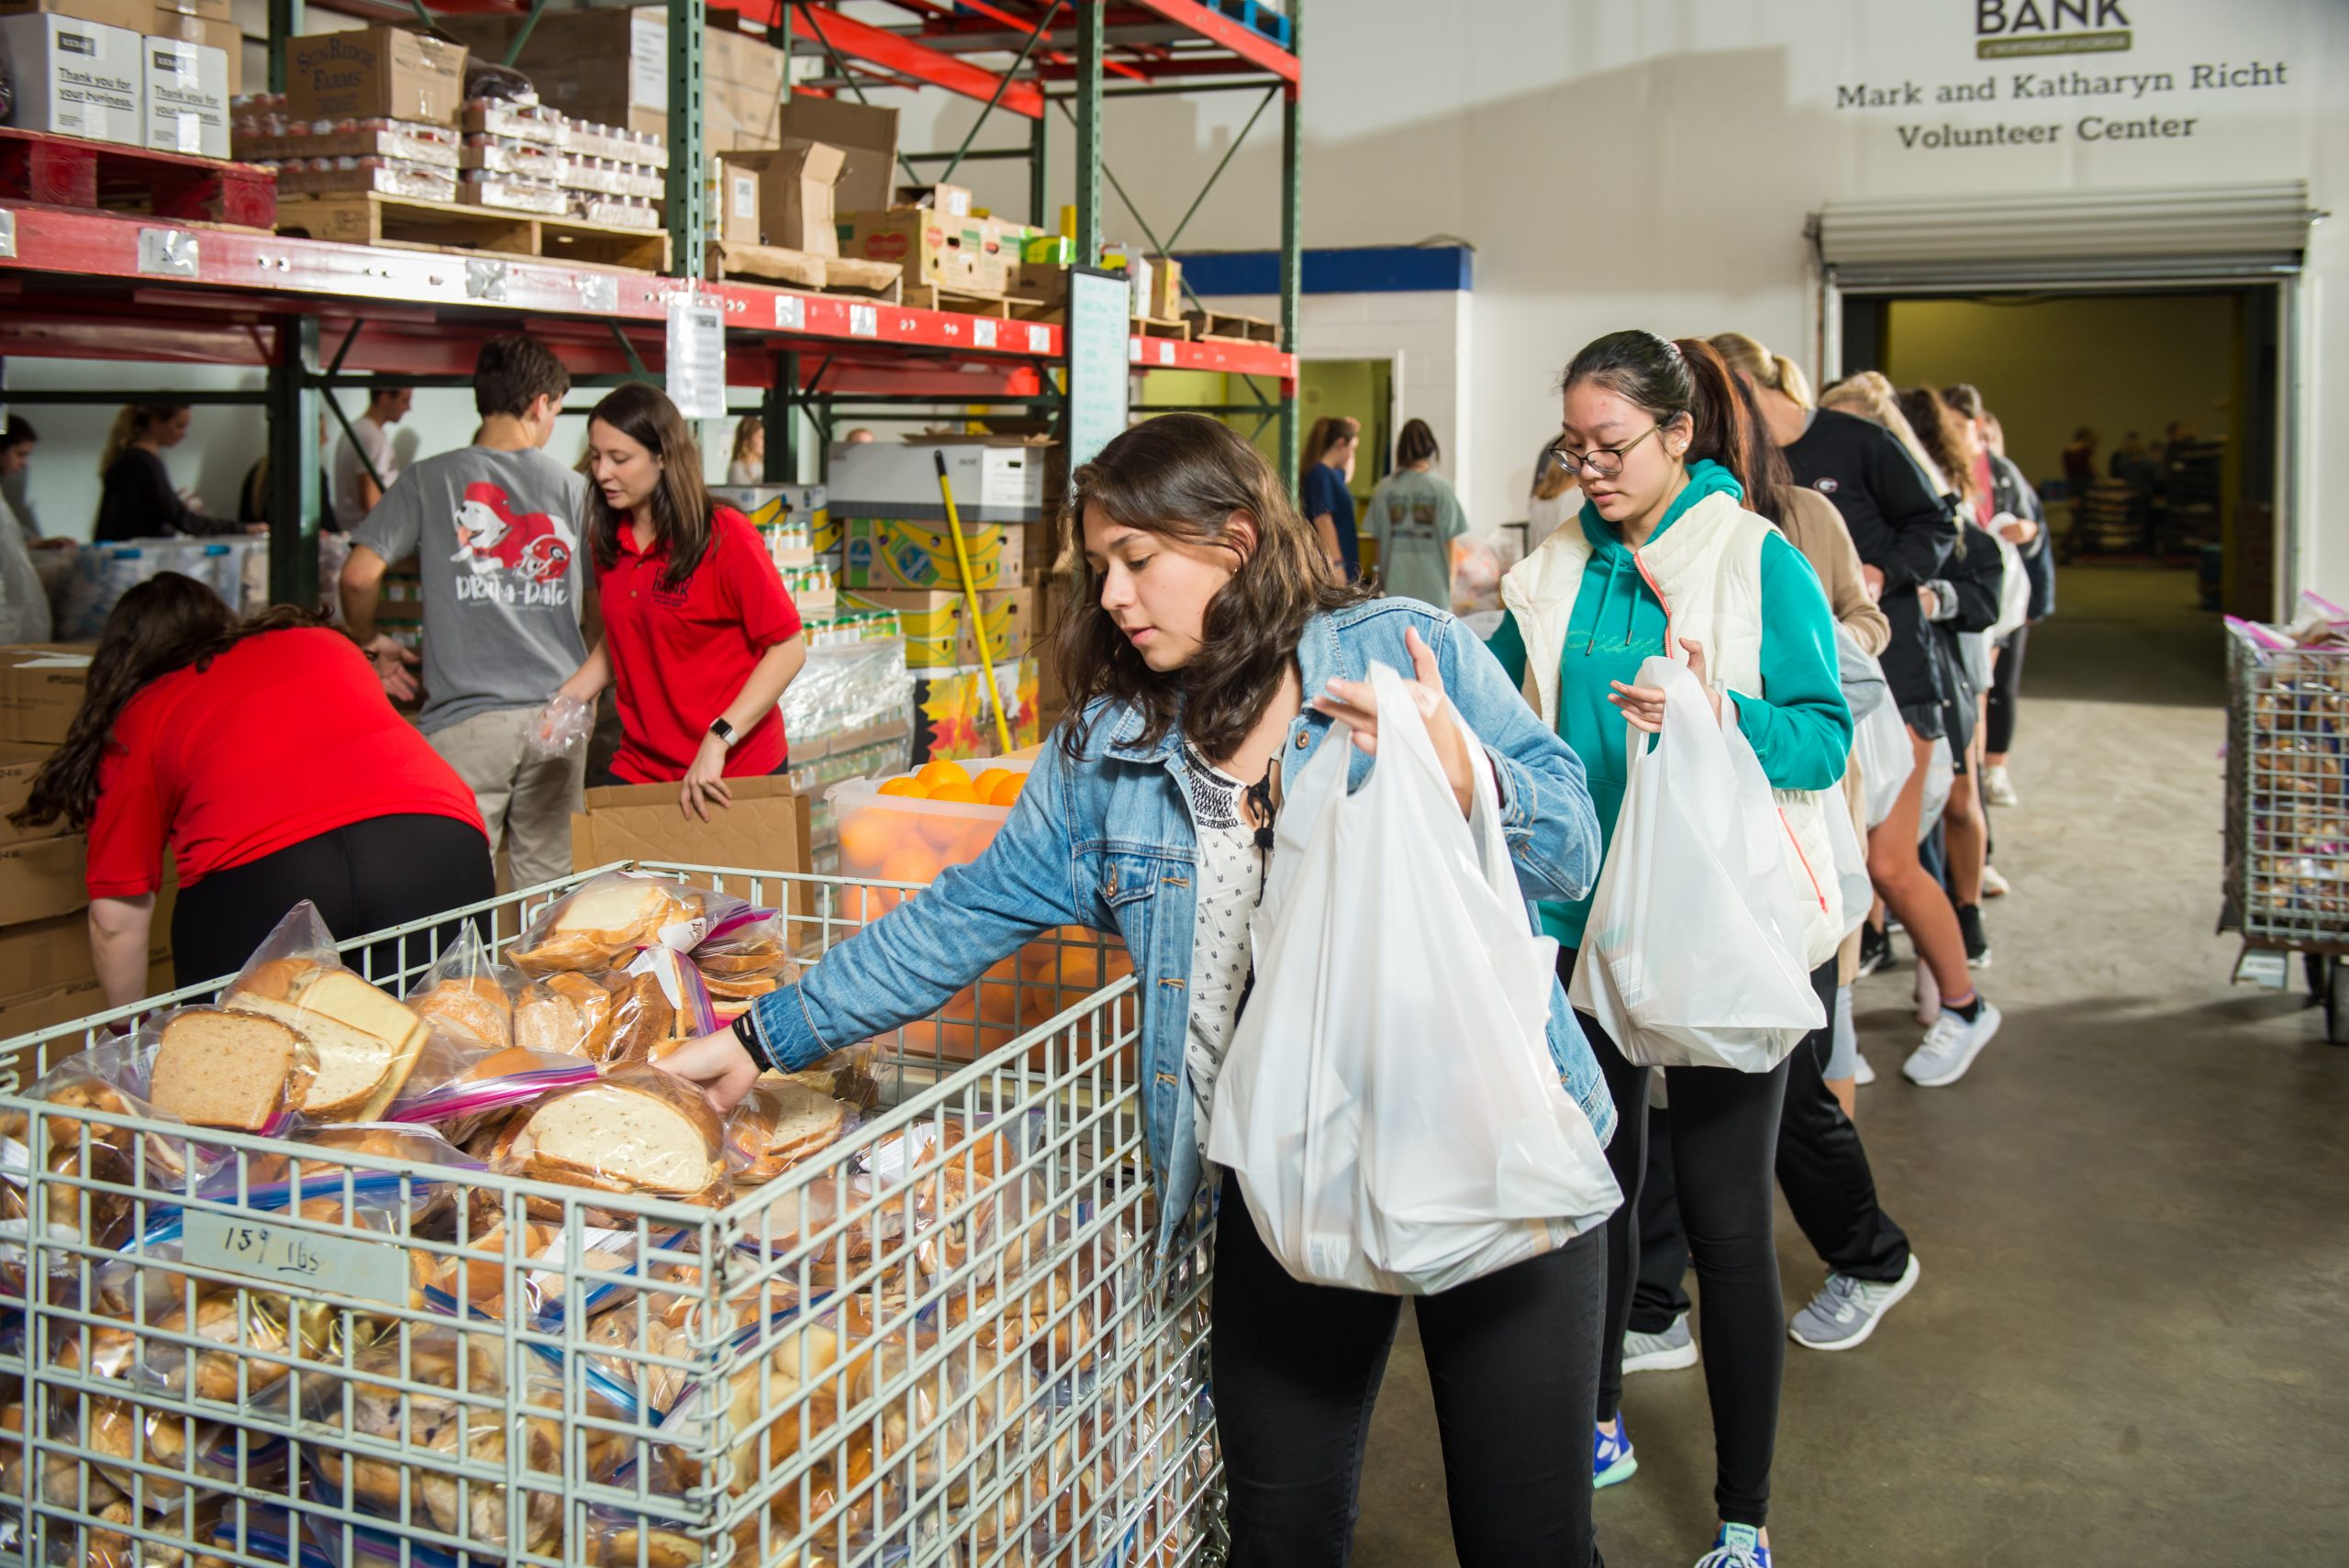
894	51
244	277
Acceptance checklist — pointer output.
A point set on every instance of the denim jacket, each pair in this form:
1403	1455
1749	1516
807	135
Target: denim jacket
1107	842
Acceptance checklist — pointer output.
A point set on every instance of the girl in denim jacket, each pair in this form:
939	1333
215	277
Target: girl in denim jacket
1206	656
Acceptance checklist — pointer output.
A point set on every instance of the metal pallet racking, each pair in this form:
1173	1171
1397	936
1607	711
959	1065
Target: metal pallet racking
321	317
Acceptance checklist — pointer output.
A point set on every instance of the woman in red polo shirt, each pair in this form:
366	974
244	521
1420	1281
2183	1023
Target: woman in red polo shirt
266	757
699	636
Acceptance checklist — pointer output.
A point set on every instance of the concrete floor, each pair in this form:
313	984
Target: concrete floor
2127	1345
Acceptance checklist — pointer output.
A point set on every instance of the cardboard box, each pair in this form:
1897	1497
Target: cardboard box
76	78
935	250
40	690
18	763
867	138
732	208
40	954
1166	289
131	15
204	10
997	479
187	98
898	554
797	196
46	1010
766	829
375	72
612	67
947	200
44	877
212	33
1044	281
937	623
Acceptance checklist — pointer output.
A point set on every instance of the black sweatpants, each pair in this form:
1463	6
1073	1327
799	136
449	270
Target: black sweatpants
1725	1137
1822	1169
2006	692
370	875
1296	1369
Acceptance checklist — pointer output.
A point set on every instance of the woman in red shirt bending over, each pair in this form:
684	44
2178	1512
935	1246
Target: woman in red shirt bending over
265	756
699	635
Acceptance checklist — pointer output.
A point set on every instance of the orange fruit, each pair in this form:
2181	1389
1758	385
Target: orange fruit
909	787
954	791
866	905
867	838
911	863
1005	790
940	771
983	785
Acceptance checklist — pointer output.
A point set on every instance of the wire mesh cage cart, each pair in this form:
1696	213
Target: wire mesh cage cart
942	1336
2287	820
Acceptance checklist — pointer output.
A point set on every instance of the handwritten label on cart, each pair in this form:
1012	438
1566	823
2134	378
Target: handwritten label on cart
262	1248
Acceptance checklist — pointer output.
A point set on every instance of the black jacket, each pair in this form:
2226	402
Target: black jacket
136	501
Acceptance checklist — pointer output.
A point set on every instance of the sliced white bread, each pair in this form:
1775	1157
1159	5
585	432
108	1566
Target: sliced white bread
475	1009
605	919
367	1042
227	1069
625	1137
782	1122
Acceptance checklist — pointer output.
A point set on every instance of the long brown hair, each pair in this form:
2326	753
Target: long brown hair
1771	474
1327	432
1181	477
1670	379
132	421
680	505
1935	423
169	622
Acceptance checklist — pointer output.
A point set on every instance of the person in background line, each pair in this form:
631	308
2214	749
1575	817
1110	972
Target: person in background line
859	437
1904	537
365	467
24	601
1328	505
2080	464
136	498
749	463
494	528
2017	498
1413	517
1555	498
1966	404
1207	652
700	637
1658	438
16	443
264	755
1822	1165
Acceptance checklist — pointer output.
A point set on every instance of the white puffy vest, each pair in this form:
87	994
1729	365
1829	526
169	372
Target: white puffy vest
1707	568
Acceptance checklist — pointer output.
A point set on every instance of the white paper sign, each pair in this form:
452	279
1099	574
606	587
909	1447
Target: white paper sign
261	1248
697	357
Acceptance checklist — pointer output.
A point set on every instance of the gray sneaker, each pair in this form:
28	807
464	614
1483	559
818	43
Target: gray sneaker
1667	1351
1846	1310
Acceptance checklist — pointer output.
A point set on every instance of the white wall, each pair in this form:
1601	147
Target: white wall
1652	165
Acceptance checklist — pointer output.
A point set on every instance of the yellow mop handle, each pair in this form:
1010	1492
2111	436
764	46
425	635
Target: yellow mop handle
970	598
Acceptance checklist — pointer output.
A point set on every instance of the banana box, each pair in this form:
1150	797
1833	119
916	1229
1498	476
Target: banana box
937	623
897	553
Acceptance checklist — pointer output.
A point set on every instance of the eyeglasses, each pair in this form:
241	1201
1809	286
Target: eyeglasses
1604	462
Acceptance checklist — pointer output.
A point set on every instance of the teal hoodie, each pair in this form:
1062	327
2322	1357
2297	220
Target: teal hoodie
1802	733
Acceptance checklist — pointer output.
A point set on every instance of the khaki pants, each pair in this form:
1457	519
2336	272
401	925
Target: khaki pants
526	800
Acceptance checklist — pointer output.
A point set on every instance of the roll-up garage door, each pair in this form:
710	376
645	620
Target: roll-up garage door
2253	229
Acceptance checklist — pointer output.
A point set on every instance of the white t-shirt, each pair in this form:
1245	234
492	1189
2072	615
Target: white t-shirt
349	508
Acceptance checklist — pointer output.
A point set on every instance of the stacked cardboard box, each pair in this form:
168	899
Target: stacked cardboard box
46	973
612	67
123	71
941	240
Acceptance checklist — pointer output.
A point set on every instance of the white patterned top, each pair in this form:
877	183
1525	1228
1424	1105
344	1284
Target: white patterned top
1230	876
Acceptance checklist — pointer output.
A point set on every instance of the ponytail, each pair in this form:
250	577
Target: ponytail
130	422
1764	368
1327	432
1688	377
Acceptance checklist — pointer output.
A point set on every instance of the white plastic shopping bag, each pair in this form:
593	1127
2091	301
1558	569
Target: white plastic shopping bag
1851	860
1880	747
1692	956
1389	1103
1941	777
2014	590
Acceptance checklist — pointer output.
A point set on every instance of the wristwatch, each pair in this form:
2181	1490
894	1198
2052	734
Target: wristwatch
724	731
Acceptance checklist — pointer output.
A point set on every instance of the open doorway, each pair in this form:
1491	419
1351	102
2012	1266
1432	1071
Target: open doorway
2147	418
1362	390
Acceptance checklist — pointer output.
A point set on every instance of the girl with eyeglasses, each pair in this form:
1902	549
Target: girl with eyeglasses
1667	559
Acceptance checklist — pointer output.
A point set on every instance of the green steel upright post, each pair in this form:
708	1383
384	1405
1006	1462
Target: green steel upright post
285	22
1292	244
779	410
1088	132
686	171
1039	171
295	496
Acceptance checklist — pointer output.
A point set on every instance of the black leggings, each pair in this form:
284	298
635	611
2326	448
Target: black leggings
386	872
1822	1169
1514	1360
2005	693
1725	1127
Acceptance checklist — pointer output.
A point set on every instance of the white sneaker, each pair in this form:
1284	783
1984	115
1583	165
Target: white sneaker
1997	789
1993	884
1928	994
1846	1310
1862	1073
1667	1351
1950	1048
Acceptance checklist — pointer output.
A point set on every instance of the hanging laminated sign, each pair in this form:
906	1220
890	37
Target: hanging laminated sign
697	356
1099	339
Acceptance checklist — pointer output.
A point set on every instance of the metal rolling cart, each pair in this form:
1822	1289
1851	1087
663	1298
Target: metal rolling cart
2287	820
943	1339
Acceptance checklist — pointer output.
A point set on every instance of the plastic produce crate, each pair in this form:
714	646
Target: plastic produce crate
941	1340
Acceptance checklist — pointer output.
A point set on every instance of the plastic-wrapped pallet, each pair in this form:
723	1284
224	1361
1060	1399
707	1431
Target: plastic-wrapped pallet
103	573
846	688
